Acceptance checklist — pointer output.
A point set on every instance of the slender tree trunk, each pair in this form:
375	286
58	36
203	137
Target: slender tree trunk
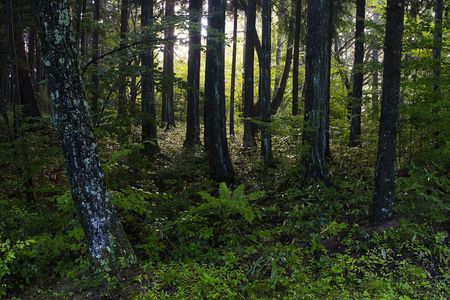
279	93
3	90
295	84
385	170
83	39
265	95
107	243
168	114
219	157
249	139
27	95
149	127
437	47
124	29
193	97
233	67
318	58
31	55
95	54
375	77
278	50
358	75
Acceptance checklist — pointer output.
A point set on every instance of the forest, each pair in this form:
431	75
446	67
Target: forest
224	149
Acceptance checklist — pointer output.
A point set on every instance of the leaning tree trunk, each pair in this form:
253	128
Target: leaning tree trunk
108	245
233	67
149	128
318	58
266	139
219	157
168	114
249	65
193	96
437	47
358	75
295	85
124	29
385	170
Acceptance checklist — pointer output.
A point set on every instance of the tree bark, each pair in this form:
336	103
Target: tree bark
279	94
318	58
358	75
249	65
149	128
95	54
437	47
124	29
168	115
193	96
27	95
385	170
233	67
295	84
107	243
265	68
219	157
83	39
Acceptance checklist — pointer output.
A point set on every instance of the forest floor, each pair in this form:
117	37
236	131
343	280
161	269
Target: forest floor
263	237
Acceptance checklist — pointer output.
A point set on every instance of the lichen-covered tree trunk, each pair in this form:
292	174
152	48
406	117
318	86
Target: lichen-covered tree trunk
124	28
107	243
219	157
266	139
318	57
358	75
148	105
168	114
249	65
193	97
233	67
385	170
295	84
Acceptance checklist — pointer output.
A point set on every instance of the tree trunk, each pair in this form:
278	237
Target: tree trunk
83	40
385	170
318	58
375	77
265	95
295	84
124	29
95	54
219	157
168	115
233	67
249	139
27	95
279	94
31	55
107	243
437	47
193	97
358	75
149	128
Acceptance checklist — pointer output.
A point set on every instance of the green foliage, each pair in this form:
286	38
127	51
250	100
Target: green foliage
8	255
